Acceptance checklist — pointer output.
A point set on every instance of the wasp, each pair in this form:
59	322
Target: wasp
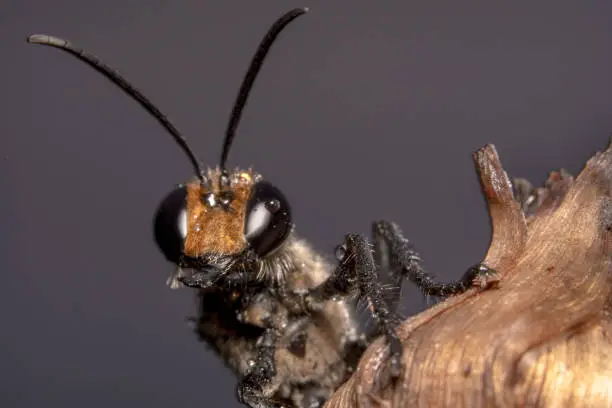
279	314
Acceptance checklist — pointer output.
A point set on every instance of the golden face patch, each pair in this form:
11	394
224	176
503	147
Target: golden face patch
211	227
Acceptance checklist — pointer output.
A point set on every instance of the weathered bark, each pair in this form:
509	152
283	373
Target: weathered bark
542	337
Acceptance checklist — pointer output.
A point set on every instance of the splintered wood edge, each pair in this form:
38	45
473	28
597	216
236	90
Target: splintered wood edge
509	229
555	188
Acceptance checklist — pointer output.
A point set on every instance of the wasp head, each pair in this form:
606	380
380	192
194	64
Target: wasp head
228	222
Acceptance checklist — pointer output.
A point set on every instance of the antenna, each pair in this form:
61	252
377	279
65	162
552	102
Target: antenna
249	78
116	78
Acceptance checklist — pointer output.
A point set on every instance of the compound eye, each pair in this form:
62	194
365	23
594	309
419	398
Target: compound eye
268	219
170	224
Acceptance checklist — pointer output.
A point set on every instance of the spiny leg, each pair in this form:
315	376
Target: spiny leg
357	273
387	270
281	330
252	388
403	261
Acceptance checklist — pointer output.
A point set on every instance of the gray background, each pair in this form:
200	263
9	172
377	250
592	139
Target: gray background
364	110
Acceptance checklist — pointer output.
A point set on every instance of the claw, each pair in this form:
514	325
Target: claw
485	277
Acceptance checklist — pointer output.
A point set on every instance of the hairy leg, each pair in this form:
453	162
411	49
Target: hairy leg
356	274
401	260
255	388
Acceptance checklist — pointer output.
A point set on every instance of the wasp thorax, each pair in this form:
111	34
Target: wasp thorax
226	214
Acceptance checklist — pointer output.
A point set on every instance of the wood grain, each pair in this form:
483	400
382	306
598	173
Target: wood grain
541	338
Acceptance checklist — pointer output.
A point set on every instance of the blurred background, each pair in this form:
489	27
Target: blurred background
363	111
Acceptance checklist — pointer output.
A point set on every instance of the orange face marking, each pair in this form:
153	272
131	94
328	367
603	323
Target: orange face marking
214	230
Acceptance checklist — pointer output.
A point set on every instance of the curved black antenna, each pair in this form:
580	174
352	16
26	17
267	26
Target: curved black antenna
115	77
249	78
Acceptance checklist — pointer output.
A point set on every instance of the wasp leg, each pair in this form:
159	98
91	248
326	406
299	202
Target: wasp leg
404	261
357	273
255	388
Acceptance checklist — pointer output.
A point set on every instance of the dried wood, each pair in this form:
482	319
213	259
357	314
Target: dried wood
542	336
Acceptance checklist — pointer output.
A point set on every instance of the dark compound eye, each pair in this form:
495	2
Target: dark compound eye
268	219
170	224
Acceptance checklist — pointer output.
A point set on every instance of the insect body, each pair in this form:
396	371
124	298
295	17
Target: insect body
279	314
